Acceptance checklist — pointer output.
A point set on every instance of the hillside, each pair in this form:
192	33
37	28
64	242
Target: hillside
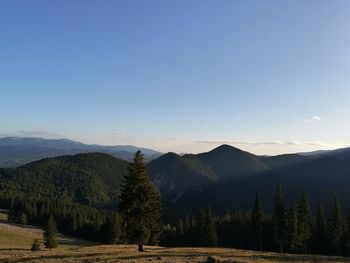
229	162
173	173
15	151
319	177
224	178
92	178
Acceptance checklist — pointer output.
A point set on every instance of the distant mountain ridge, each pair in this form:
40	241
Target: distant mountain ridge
16	151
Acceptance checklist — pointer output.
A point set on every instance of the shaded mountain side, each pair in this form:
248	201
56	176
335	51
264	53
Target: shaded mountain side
284	160
16	151
319	178
173	173
92	178
229	162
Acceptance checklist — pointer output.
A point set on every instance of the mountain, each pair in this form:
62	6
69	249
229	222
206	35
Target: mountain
224	178
173	173
89	178
15	151
229	162
320	177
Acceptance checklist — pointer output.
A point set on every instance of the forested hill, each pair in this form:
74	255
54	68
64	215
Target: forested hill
224	178
89	178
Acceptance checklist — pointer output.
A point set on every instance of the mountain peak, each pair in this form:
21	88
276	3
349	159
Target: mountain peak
225	148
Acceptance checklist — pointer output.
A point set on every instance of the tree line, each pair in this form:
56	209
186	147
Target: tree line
293	230
138	220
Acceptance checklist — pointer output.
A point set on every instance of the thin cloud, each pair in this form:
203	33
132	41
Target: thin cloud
269	143
37	133
313	118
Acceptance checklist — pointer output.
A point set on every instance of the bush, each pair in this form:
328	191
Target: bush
36	245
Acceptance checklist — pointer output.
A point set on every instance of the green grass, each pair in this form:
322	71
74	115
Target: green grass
16	241
22	237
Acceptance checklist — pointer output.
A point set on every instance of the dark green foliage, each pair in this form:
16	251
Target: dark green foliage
50	233
140	204
304	223
336	227
91	179
320	243
292	230
22	218
36	245
346	248
211	232
112	230
257	224
204	232
279	220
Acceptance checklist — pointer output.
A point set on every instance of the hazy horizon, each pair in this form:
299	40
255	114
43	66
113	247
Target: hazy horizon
267	77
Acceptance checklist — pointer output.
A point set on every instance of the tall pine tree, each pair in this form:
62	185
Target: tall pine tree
336	227
140	203
211	235
292	230
50	233
257	224
279	219
304	223
319	236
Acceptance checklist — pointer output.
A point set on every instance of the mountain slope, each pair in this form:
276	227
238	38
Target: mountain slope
319	177
92	179
284	160
16	151
229	162
173	173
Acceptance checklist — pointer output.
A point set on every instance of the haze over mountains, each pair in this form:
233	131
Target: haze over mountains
16	151
224	178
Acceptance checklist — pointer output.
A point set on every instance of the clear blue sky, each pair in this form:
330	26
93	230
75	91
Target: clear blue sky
185	76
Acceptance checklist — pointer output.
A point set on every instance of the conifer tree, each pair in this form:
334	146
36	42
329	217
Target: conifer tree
50	233
200	228
336	226
210	233
279	219
257	223
292	229
139	203
320	237
179	227
346	251
304	223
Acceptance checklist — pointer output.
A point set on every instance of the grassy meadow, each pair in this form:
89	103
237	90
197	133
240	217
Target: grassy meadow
16	241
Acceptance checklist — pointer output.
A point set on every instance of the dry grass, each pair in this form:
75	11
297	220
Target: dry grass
15	243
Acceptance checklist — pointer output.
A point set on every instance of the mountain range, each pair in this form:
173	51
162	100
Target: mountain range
224	178
16	151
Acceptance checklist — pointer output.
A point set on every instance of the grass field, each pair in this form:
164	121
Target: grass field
15	243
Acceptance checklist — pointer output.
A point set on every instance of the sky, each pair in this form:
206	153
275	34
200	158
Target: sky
268	77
